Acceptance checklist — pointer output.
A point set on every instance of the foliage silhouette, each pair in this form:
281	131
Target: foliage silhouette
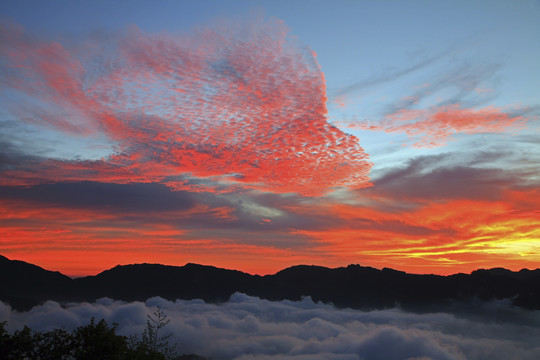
152	337
97	340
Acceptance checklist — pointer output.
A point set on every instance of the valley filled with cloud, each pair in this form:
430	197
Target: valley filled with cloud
246	328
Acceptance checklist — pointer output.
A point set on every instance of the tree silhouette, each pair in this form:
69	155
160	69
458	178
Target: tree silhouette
99	341
153	342
56	344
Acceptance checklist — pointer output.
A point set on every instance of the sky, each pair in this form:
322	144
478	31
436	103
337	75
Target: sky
257	135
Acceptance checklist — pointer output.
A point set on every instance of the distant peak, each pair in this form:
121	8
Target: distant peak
302	268
196	265
497	270
390	270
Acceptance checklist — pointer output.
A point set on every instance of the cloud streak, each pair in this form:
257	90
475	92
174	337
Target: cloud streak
435	126
250	328
439	236
237	105
446	105
449	213
388	76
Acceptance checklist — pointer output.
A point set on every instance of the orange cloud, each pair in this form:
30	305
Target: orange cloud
226	105
81	242
443	237
440	237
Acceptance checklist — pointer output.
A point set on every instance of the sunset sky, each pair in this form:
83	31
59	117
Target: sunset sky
256	135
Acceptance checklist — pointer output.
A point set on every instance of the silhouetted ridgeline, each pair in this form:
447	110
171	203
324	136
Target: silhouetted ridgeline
24	285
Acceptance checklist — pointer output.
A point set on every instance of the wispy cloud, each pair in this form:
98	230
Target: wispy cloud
435	126
388	76
443	104
459	85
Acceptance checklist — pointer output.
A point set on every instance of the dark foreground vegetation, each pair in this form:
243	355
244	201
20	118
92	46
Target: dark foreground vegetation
97	340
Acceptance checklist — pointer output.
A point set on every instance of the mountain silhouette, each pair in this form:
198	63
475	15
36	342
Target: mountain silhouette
25	285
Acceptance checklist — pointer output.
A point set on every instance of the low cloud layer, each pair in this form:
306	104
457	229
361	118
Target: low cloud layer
250	328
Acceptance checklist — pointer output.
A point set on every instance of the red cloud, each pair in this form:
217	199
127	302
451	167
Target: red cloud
434	127
240	105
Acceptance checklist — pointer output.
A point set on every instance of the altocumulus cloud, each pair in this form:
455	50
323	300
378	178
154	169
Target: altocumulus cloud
242	104
250	328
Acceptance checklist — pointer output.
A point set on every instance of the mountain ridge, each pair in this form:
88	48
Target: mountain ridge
25	285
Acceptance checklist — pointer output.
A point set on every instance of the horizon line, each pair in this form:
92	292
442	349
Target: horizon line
269	274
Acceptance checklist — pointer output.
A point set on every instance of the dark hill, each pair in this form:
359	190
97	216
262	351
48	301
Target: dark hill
142	281
24	285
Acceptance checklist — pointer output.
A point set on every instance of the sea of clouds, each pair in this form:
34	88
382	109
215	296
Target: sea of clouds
248	328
